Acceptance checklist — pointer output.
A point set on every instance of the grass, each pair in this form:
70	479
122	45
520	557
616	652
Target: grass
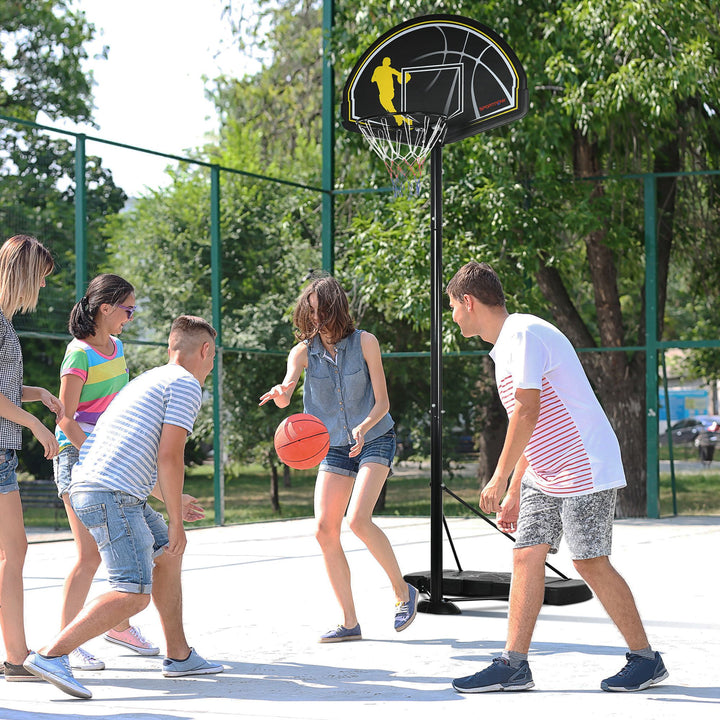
247	495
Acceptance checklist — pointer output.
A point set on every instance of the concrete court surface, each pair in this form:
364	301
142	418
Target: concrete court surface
257	598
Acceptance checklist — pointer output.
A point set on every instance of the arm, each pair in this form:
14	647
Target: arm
371	352
71	386
520	429
170	480
22	417
281	394
31	394
191	510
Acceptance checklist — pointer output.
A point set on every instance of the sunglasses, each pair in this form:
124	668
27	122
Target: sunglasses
129	310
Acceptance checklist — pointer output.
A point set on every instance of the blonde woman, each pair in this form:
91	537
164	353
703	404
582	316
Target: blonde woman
24	265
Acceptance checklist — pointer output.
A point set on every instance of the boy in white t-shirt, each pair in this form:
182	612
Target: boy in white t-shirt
566	468
137	449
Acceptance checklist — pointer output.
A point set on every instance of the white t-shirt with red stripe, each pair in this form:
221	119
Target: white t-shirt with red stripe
573	449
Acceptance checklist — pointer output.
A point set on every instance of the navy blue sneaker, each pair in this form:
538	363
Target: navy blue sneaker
639	673
498	676
341	633
405	612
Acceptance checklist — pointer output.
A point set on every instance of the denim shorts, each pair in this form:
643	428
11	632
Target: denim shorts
8	478
381	450
129	535
585	520
62	467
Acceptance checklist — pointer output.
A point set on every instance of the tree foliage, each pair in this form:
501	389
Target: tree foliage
42	51
616	86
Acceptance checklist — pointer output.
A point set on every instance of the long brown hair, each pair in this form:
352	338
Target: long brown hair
333	311
24	264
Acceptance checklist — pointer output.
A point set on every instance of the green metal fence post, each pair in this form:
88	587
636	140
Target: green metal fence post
328	143
215	289
651	347
80	219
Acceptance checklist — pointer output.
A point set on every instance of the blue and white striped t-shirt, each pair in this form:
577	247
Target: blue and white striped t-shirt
122	452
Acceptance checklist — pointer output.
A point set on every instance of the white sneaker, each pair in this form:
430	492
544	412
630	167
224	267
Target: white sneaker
81	659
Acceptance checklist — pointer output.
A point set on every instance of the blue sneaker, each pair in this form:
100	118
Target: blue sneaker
341	633
192	665
498	676
57	671
638	674
405	612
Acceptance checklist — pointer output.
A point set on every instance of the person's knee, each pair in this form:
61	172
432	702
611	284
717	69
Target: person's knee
526	558
590	568
327	532
135	602
360	525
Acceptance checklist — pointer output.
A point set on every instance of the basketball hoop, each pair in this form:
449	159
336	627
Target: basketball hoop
403	141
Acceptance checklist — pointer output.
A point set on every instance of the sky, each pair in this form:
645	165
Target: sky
150	91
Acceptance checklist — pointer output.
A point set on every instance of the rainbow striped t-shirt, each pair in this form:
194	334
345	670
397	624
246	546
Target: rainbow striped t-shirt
103	377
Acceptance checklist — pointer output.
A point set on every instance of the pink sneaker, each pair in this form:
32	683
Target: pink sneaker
133	639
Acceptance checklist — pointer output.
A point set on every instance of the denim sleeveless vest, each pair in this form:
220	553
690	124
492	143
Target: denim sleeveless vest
340	393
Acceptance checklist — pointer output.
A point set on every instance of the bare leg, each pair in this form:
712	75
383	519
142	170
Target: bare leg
94	619
13	548
368	485
616	597
78	582
167	596
527	591
332	494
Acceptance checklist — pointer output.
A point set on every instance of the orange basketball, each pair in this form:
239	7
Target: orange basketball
302	441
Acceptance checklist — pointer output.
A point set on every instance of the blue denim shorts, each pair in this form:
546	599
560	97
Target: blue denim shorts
381	450
129	535
8	478
62	467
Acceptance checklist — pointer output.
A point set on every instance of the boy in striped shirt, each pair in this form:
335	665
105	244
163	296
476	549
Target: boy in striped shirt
137	449
566	468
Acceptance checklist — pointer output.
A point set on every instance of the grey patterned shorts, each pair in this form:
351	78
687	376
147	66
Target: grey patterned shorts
586	521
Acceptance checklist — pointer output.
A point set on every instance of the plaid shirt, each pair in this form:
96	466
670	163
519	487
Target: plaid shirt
11	376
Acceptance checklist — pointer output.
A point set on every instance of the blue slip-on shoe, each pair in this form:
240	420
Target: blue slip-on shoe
639	673
56	670
192	665
405	612
341	633
498	676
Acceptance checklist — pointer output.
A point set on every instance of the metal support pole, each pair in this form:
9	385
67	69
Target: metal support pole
651	348
436	604
80	219
328	144
215	288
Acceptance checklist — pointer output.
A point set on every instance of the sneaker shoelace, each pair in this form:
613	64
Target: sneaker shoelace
135	632
85	656
632	661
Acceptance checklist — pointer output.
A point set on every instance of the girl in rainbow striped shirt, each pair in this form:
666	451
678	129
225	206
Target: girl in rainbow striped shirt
93	371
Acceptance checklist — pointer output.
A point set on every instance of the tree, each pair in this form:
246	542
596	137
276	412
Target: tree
616	86
42	50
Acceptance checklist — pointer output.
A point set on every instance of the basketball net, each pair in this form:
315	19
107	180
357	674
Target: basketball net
404	141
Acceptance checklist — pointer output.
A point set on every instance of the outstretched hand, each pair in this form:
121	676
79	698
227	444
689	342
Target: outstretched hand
276	392
191	510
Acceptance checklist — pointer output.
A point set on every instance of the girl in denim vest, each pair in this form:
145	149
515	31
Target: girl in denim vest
345	387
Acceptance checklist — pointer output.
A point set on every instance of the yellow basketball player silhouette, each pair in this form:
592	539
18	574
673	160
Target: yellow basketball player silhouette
384	77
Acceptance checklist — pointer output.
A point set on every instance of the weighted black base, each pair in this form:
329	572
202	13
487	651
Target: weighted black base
471	584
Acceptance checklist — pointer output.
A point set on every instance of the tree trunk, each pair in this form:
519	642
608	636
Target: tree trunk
286	476
380	504
618	377
491	419
274	488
